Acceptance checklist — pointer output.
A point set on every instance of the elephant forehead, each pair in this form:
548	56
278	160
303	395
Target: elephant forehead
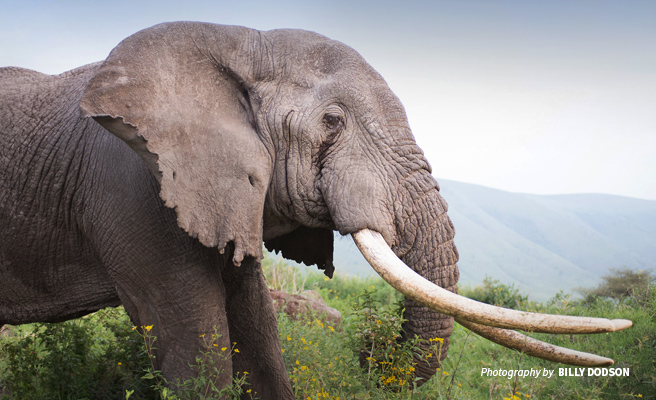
308	52
330	57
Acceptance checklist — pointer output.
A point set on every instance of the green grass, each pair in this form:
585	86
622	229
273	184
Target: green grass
101	356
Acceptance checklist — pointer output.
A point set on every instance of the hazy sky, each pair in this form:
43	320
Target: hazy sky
542	97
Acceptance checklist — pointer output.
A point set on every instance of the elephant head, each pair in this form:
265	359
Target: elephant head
284	136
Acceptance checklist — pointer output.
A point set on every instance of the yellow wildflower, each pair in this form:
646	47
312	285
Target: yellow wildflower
148	328
224	348
236	350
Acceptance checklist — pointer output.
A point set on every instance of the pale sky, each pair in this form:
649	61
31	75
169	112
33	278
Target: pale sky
547	97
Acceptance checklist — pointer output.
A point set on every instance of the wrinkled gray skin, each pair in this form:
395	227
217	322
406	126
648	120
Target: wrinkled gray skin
234	137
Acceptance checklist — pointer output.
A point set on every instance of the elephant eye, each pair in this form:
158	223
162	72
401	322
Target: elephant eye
333	122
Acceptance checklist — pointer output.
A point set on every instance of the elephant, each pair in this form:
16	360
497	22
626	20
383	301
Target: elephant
152	179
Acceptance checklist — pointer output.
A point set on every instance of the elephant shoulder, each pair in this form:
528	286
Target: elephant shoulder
16	83
19	75
14	75
19	82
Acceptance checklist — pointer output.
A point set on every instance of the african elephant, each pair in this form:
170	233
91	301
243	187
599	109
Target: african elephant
153	178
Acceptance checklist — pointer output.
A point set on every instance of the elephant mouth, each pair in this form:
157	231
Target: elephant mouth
493	323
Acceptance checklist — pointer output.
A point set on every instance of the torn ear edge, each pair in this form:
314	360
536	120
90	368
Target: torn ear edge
310	246
129	133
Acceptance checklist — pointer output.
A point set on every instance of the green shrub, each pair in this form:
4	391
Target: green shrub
496	293
374	336
620	283
101	356
93	357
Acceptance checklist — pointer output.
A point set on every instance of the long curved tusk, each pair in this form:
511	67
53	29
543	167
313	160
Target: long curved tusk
536	348
405	280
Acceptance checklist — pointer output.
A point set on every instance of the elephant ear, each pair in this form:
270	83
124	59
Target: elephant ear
307	245
188	115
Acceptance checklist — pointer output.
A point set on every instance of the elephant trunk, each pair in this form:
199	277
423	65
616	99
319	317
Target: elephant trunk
425	243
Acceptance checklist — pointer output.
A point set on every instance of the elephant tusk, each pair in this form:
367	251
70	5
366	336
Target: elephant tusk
405	280
536	348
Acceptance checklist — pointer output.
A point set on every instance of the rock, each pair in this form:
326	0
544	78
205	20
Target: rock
307	304
5	331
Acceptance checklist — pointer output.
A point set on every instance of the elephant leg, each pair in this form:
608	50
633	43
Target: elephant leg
163	277
254	329
181	302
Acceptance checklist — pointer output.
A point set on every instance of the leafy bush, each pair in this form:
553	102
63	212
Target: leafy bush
373	336
102	356
619	283
97	356
496	293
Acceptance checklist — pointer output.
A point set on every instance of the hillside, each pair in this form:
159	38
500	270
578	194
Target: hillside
542	244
